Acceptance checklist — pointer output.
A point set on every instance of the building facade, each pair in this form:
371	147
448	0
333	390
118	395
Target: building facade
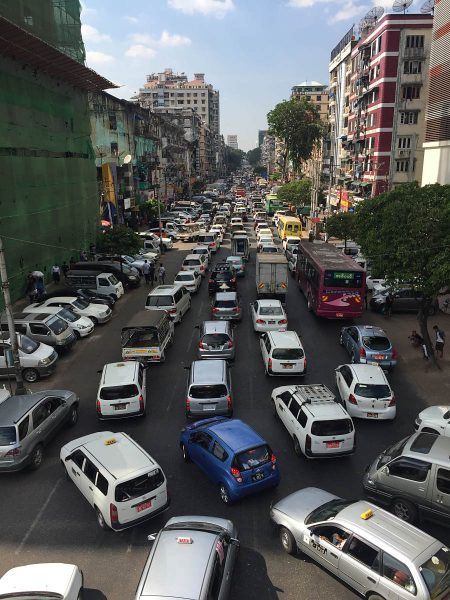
261	134
316	93
436	162
232	141
386	124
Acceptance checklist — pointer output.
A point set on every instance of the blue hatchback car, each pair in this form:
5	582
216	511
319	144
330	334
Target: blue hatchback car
232	455
369	345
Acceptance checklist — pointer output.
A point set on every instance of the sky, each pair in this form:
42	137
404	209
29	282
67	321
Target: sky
252	51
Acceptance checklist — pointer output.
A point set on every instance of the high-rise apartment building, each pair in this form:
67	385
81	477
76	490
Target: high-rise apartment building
436	161
386	124
232	141
261	135
316	93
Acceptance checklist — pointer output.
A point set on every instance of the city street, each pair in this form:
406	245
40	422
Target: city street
46	519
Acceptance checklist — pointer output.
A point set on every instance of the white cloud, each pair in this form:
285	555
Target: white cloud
132	19
348	11
98	58
215	8
342	10
93	35
167	40
85	10
140	51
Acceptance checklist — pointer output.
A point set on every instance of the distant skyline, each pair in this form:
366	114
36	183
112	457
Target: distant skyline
252	51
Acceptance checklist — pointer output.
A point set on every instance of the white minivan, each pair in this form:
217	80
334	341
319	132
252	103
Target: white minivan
122	390
118	478
82	326
282	353
175	299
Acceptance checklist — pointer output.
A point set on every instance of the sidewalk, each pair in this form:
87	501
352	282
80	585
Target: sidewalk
433	386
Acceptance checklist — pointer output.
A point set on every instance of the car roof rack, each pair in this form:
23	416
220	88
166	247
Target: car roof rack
315	394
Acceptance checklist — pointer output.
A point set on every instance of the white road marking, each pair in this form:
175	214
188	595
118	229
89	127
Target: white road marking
38	516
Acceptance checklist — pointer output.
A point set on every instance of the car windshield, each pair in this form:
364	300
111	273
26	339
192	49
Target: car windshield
7	436
225	304
235	261
144	484
225	276
327	511
288	353
250	459
215	339
159	301
113	279
191	262
436	574
57	325
117	392
333	427
68	315
203	392
372	390
187	277
375	342
81	304
269	249
27	345
271	310
391	453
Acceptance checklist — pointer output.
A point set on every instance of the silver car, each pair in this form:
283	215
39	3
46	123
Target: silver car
371	550
192	557
216	340
226	307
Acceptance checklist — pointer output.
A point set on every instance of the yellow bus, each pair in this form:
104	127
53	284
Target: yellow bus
289	226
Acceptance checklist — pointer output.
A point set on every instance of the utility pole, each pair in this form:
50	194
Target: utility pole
20	387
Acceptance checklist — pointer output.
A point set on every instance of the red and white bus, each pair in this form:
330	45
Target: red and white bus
332	282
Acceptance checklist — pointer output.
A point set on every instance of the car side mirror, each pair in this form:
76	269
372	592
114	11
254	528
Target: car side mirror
100	371
196	326
186	368
152	537
68	458
385	470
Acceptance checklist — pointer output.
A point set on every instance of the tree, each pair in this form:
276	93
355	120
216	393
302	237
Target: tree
341	226
233	159
198	187
120	240
297	124
254	156
297	193
260	170
405	235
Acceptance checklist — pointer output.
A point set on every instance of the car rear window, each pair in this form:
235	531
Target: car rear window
191	262
335	427
203	392
374	342
159	301
225	304
249	459
187	277
270	310
118	392
7	436
223	276
215	339
269	250
128	490
288	353
372	390
423	443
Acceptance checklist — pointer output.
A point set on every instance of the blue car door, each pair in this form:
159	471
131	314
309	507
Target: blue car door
200	444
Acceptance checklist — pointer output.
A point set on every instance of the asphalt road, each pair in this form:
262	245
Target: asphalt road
44	518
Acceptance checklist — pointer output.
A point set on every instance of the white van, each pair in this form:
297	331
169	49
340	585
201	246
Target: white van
282	353
104	284
36	359
82	326
122	391
175	299
122	482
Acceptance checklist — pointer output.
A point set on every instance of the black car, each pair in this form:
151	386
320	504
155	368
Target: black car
83	293
222	279
405	299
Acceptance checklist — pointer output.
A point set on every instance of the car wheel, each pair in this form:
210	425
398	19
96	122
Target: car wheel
30	375
100	520
404	510
288	541
297	448
73	416
224	493
77	334
36	458
274	410
185	453
375	597
94	320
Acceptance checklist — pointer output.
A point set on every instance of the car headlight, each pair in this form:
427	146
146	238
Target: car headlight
370	481
44	361
82	326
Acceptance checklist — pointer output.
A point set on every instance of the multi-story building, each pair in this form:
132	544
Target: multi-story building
261	134
386	124
316	93
268	158
436	161
232	141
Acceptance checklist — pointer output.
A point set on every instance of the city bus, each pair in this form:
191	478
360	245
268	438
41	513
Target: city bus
332	282
289	226
272	204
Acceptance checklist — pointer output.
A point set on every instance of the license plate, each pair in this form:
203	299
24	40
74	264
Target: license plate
372	362
271	322
144	506
333	444
209	407
119	406
288	366
379	357
339	314
372	415
258	476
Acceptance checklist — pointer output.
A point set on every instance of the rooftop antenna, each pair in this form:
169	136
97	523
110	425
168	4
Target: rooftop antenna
363	26
374	14
427	7
401	5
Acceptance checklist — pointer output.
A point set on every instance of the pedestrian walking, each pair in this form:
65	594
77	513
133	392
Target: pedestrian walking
440	341
40	288
72	262
65	269
151	274
161	274
388	303
83	256
31	287
146	271
56	273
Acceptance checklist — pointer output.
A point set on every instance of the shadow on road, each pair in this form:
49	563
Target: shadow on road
250	578
93	594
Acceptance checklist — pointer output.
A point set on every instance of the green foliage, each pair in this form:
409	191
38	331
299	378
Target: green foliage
233	159
259	170
275	176
342	226
120	240
254	156
150	208
297	123
297	193
198	187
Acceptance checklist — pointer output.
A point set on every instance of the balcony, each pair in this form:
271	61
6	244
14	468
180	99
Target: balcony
402	152
417	53
411	78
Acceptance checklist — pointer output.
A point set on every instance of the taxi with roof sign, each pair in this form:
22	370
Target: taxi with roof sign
371	550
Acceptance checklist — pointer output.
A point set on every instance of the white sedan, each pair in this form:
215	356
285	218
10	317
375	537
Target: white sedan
190	279
44	580
263	240
268	249
291	240
268	315
374	284
434	419
365	392
98	313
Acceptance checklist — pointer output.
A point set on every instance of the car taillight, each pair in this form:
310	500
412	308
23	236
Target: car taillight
282	322
201	345
236	474
304	364
233	280
141	402
211	281
172	311
352	399
14	452
362	353
229	403
260	321
269	364
202	268
99	409
273	460
308	443
215	310
394	353
238	309
393	401
230	344
113	513
188	405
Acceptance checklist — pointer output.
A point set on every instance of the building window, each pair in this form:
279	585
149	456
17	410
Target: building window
308	97
114	149
195	101
112	122
379	44
402	166
404	142
319	98
409	117
180	101
203	94
414	41
412	67
411	92
203	101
